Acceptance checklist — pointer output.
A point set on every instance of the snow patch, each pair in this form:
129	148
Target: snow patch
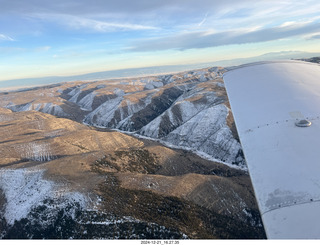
18	108
33	151
75	94
102	115
25	189
119	92
207	132
153	84
101	86
86	102
50	108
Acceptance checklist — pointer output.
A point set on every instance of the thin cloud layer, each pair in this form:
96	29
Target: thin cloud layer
49	36
162	17
128	7
5	38
316	36
197	40
104	15
79	23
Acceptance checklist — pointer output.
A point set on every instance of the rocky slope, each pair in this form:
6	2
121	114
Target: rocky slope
186	110
63	179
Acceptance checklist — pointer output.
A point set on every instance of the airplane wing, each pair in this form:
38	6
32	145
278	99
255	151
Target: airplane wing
276	107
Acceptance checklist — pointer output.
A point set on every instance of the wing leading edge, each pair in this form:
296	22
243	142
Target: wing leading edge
268	100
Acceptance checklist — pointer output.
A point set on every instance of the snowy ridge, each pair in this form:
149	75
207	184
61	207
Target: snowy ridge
116	113
49	108
75	94
195	120
86	102
16	108
208	132
104	113
150	84
182	110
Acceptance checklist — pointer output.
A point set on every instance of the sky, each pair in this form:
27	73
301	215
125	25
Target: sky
69	37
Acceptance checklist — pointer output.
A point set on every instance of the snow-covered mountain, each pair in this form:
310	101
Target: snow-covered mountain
187	110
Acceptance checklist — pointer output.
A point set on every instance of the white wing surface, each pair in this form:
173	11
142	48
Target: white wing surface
268	101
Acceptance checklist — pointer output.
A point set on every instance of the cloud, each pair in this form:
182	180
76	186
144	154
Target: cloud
99	26
165	15
5	38
314	37
203	20
42	49
78	23
123	14
198	40
178	24
75	7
